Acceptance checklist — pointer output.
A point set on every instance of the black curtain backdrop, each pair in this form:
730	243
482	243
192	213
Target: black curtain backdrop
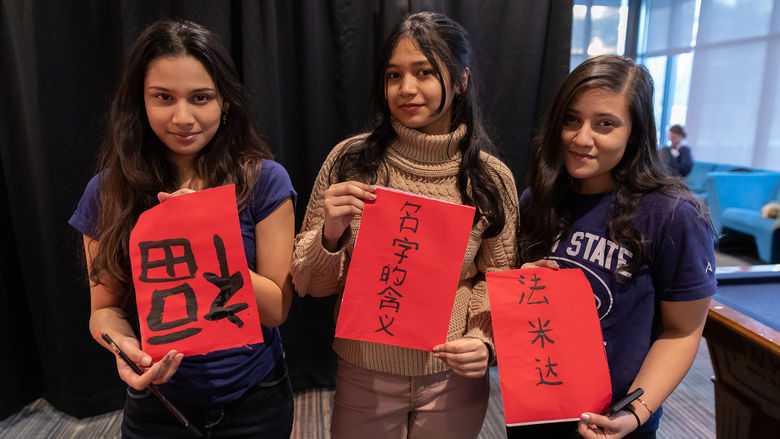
308	67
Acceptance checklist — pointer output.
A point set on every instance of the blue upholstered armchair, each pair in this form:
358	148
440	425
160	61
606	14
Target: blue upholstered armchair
696	180
735	200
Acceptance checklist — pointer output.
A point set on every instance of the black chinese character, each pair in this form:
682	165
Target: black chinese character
389	301
155	318
533	288
168	261
406	245
385	327
228	286
541	334
550	371
399	278
408	217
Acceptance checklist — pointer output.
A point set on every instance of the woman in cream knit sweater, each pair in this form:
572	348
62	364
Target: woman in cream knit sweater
427	140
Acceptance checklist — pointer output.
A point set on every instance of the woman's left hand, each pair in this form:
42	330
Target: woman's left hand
162	196
542	263
466	356
593	426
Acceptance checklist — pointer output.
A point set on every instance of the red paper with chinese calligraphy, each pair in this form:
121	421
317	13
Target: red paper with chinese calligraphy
404	270
192	284
550	349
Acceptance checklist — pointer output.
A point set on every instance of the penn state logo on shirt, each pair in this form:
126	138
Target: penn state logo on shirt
601	291
593	254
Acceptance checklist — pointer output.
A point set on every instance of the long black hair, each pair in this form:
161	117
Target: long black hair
133	159
445	45
546	217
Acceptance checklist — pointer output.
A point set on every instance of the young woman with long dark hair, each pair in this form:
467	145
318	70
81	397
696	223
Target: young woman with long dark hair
179	123
427	139
600	200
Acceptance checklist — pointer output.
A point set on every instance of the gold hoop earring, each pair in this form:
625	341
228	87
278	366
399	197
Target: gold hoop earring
224	117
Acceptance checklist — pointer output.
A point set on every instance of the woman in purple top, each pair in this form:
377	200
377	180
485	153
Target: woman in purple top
179	123
600	200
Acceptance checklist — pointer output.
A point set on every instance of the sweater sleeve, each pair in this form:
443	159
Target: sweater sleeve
495	254
314	269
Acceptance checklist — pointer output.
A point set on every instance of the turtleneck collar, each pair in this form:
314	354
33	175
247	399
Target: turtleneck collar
426	148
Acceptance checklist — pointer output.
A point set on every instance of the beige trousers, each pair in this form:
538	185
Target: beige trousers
370	404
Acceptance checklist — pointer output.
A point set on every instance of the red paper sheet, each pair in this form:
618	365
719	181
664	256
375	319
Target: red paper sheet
551	356
192	284
404	271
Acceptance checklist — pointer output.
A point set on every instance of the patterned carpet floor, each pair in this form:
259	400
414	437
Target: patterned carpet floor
688	414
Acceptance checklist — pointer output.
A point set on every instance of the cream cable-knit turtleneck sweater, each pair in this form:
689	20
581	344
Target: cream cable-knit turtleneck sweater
426	165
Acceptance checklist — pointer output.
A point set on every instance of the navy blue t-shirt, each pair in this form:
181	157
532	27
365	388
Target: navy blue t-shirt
680	266
221	376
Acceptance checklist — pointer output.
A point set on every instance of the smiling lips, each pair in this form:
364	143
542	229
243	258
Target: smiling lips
411	108
185	137
580	156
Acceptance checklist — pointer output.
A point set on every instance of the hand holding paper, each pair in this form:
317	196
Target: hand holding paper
541	263
162	196
404	270
593	426
342	201
466	356
192	284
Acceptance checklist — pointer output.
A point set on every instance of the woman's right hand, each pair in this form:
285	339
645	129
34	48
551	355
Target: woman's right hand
543	263
342	202
157	373
162	196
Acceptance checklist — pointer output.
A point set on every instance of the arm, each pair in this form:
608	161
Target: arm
106	315
323	247
320	261
669	359
672	354
271	279
471	355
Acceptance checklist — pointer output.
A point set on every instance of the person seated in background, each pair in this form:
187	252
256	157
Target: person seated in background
677	156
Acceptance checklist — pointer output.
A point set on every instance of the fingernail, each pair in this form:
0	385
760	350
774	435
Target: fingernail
585	417
146	360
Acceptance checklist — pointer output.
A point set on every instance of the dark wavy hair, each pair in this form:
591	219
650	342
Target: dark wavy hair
132	159
446	47
546	217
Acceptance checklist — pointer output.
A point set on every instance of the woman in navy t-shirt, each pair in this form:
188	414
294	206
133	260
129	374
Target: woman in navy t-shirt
179	123
600	200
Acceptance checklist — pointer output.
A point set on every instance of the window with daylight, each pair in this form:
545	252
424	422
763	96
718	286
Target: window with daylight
715	65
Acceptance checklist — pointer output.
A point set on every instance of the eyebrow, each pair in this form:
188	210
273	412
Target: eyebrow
416	63
197	90
571	110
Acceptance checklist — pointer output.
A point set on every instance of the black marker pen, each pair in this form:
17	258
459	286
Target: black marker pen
179	416
624	401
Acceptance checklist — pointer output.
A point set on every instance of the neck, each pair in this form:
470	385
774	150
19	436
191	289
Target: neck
187	175
426	148
594	185
441	126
